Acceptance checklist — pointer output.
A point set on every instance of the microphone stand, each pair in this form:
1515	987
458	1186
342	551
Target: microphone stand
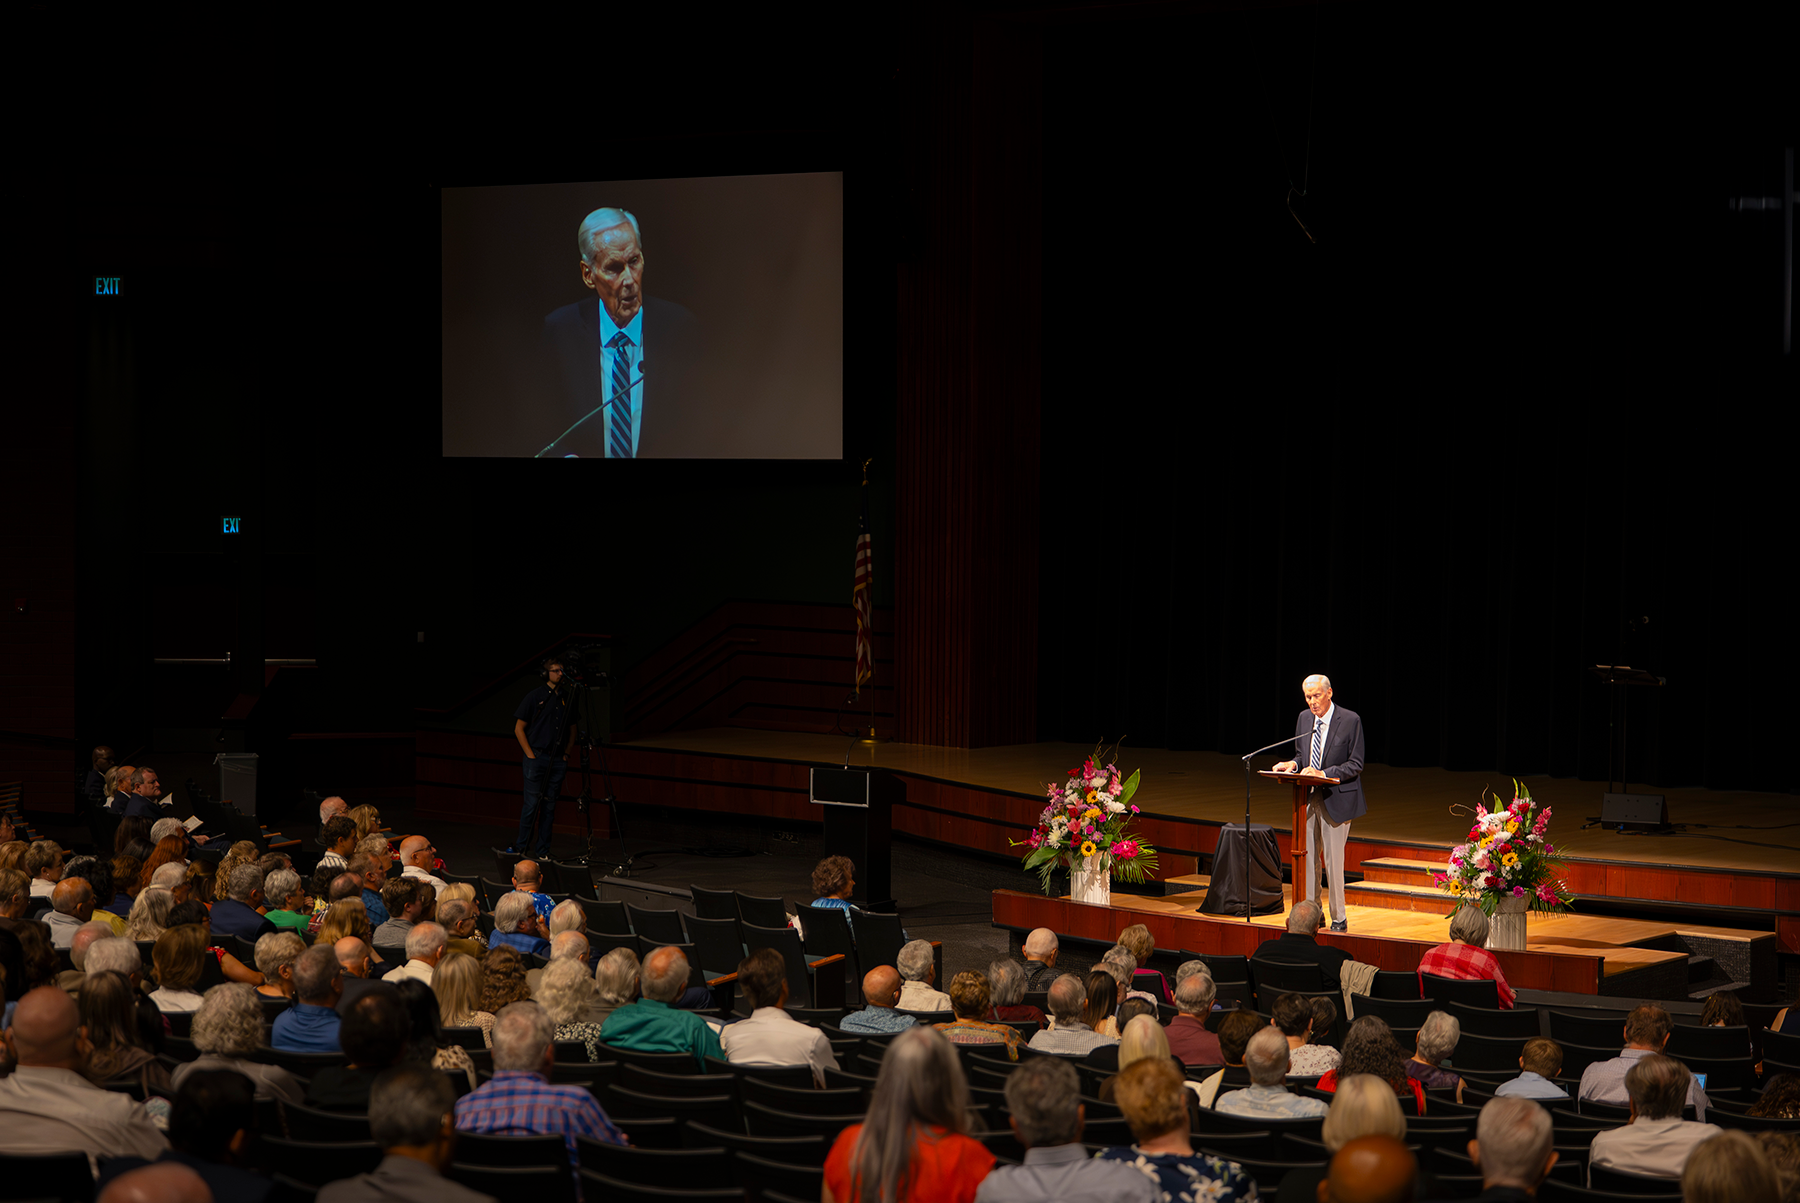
1246	761
565	434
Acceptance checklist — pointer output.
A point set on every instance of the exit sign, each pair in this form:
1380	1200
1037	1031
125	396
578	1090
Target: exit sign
230	525
106	286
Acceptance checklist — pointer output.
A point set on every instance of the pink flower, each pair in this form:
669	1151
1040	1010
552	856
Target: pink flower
1549	848
1518	891
1125	849
1547	892
1134	808
1037	837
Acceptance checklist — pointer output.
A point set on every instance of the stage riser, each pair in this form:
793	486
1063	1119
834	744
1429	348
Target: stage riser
1435	904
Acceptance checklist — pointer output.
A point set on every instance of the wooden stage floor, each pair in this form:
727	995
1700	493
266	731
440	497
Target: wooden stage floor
1413	807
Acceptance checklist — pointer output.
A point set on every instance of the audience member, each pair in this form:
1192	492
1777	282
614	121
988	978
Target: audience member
115	954
416	860
880	992
311	1024
406	901
564	946
149	916
1151	1095
209	1137
1783	1152
1370	1048
1780	1098
458	982
368	821
566	993
39	964
1069	1034
1372	1169
918	970
217	965
146	795
1119	961
1722	1010
72	903
1046	1114
458	917
771	1036
412	1118
1437	1039
1647	1030
528	879
228	1029
1656	1140
1102	1001
290	906
372	871
425	946
426	1046
100	878
1235	1031
518	926
652	1024
373	1035
119	1052
1138	941
125	872
1539	1061
833	881
1512	1149
1188	1038
1006	984
1300	942
244	852
567	916
969	1002
338	834
275	957
1466	956
1363	1105
616	982
237	913
178	957
1040	949
332	806
161	1182
15	893
519	1099
85	935
1731	1167
46	1103
913	1145
43	863
1267	1096
1137	1041
1293	1015
93	786
502	980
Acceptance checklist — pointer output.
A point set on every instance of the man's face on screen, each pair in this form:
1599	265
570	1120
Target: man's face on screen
617	273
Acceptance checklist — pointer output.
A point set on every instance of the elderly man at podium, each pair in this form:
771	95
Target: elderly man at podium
1330	741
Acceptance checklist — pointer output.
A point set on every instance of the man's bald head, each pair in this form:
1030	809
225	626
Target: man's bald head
158	1182
73	896
352	954
526	875
415	850
333	805
85	935
881	986
1370	1169
45	1030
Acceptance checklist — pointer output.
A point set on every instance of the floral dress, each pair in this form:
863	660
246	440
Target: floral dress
1194	1178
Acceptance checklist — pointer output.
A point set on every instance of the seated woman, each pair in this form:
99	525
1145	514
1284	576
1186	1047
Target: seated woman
503	980
1370	1048
565	991
276	953
1293	1014
228	1030
969	1001
428	1048
615	981
458	983
179	958
1144	1037
913	1145
834	880
1102	1001
1363	1105
1006	985
149	913
1436	1040
1137	940
1466	956
109	1016
1150	1093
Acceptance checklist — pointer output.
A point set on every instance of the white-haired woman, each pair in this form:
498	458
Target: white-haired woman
1466	955
913	1146
149	915
228	1028
1436	1040
565	991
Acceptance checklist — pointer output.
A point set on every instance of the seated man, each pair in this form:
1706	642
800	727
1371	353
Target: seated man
1040	951
374	1036
210	1131
99	876
425	946
1267	1096
405	900
416	862
412	1118
1068	1035
1371	1169
46	1104
918	969
237	915
372	873
519	1099
1300	943
880	991
771	1036
72	905
1043	1099
1647	1029
528	880
652	1024
1512	1148
1540	1061
518	926
1189	1040
1656	1140
311	1025
969	1001
357	961
86	936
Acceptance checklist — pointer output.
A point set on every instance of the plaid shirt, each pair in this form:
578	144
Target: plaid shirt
1467	962
520	1103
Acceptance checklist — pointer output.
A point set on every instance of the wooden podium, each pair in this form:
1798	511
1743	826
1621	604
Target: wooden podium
1301	783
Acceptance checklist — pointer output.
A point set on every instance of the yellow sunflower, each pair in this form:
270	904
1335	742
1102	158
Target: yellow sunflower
1510	859
1091	796
1093	812
1456	887
1087	848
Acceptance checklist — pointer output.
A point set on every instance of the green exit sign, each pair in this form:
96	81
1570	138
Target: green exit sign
229	525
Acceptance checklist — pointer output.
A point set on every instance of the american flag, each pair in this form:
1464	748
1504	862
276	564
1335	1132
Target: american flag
859	598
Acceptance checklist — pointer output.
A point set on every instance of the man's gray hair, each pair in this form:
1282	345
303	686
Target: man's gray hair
314	971
1119	962
1006	983
665	974
229	1021
170	875
1194	994
1513	1136
407	1106
567	915
1067	995
114	953
512	909
1187	969
1657	1086
162	829
1266	1057
1319	679
1044	1097
1040	943
425	939
1438	1036
1306	917
454	911
142	774
569	945
1470	925
88	934
600	220
522	1032
914	961
279	885
275	949
333	805
245	881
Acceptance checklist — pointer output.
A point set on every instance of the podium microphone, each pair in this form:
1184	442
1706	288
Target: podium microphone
620	393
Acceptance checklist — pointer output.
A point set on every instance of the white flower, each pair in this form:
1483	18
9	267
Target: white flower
1115	806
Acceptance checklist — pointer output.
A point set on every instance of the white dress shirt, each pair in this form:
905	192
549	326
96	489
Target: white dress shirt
773	1037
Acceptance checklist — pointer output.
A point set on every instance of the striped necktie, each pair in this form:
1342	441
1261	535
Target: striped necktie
1318	737
619	428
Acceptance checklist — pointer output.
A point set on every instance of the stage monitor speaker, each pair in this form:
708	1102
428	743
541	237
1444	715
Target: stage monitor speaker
1634	810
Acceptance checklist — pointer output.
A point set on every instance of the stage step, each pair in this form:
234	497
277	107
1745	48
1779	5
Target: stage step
1399	896
1400	870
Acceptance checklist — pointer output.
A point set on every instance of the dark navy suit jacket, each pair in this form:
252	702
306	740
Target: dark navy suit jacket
671	357
1342	757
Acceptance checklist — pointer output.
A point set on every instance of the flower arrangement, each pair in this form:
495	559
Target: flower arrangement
1508	855
1090	814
